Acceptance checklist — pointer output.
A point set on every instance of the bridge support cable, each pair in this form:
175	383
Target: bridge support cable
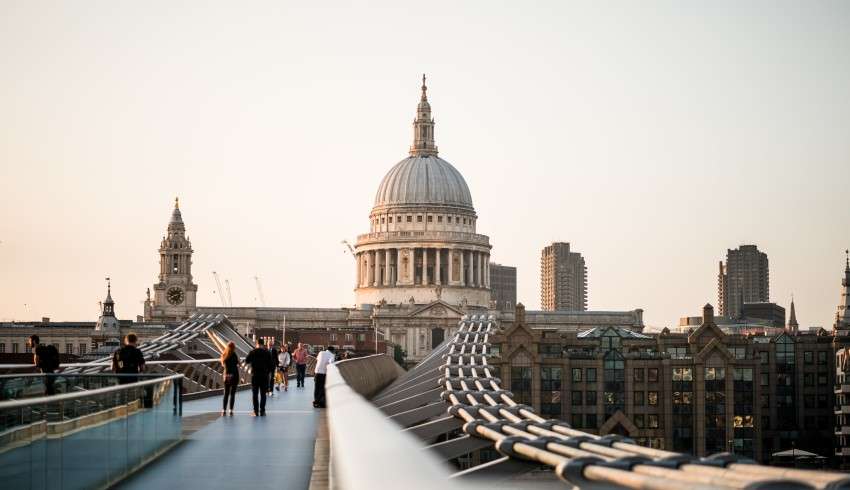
585	460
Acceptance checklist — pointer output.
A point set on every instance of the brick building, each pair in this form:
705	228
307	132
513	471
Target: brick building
701	392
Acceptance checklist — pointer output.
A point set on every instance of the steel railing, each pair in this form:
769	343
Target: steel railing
489	412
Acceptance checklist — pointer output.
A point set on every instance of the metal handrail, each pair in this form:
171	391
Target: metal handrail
42	400
109	364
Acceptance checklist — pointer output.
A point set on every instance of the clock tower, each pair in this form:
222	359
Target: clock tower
174	294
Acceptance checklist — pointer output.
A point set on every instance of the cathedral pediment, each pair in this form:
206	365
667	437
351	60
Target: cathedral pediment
437	309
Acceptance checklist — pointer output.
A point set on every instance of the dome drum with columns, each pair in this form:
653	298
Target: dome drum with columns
423	244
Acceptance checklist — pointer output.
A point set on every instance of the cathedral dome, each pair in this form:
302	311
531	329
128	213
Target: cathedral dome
423	179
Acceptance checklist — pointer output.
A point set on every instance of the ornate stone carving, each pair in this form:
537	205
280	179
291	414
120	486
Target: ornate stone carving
438	311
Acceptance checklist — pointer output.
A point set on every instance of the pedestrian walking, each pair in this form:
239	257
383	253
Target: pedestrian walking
284	359
261	364
128	360
300	356
46	359
230	362
324	358
273	352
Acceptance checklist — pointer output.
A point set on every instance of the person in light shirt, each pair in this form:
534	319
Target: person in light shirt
322	360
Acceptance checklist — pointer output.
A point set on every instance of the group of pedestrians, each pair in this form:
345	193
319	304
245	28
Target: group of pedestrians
269	369
127	361
269	372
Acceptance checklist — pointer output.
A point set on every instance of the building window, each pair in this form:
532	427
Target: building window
590	398
576	421
14	348
576	399
652	375
82	349
69	348
821	379
638	398
521	377
652	421
390	219
550	391
638	375
784	350
822	401
765	379
765	401
418	218
678	352
383	220
439	219
591	375
2	347
332	337
739	352
590	421
449	219
764	358
822	357
430	219
361	337
809	401
639	422
652	398
683	374
576	375
409	218
809	379
808	357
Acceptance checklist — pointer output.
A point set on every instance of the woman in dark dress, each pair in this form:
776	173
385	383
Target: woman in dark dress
230	361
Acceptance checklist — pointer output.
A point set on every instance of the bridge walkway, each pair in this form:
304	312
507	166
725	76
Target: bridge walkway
275	451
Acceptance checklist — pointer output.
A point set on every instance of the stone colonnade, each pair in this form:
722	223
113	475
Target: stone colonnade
423	266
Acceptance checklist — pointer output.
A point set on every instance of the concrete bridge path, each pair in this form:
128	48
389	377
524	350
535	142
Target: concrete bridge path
275	451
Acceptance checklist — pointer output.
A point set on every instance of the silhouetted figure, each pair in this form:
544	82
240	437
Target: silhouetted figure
261	365
46	359
128	360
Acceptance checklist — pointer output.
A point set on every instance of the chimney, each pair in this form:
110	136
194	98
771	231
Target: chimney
45	319
707	314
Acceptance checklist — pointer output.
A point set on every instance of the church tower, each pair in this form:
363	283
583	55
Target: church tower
175	293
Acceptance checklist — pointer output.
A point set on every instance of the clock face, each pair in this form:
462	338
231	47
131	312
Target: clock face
175	296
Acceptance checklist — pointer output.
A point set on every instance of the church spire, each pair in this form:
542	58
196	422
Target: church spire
423	127
793	326
842	316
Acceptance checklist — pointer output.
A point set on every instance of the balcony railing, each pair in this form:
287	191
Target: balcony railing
402	236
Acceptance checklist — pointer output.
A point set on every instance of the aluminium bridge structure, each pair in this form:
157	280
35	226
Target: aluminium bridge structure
450	406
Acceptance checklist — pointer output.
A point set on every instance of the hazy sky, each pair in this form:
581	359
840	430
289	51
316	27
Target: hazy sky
651	135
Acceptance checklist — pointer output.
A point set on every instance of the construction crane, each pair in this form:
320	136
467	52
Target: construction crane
229	297
220	291
350	249
260	291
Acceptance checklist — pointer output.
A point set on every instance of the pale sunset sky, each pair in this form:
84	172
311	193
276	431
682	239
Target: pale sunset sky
651	135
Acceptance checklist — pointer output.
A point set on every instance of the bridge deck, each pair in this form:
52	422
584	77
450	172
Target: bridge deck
275	451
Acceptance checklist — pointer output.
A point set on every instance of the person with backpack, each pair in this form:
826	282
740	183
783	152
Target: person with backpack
284	359
261	365
128	360
46	359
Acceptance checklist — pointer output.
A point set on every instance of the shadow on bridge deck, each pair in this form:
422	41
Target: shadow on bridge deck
275	451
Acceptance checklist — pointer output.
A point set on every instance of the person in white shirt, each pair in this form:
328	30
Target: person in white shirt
322	360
